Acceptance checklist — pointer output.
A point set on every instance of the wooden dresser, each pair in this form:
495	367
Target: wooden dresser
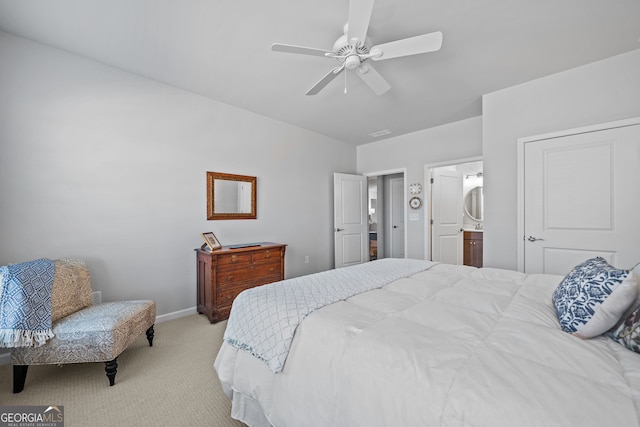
225	272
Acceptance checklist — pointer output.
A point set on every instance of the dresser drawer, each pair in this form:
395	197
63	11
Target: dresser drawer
252	273
267	269
227	295
227	292
234	259
266	254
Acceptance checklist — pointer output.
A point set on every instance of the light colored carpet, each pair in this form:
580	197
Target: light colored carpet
172	383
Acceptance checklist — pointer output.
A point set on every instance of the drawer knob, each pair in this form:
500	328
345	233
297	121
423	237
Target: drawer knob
234	258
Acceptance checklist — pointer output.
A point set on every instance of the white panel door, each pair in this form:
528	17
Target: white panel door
582	200
397	217
446	192
351	228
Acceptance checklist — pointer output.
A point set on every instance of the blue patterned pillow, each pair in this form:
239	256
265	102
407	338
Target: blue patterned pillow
593	297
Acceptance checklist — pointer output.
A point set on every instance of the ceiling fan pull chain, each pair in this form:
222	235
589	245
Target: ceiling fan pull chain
345	82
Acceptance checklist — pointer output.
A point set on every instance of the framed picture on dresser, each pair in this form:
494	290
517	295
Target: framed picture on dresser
211	240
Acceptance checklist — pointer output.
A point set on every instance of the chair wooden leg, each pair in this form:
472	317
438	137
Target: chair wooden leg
111	367
19	377
150	333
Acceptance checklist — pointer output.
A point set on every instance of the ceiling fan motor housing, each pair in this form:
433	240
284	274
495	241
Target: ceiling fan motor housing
346	53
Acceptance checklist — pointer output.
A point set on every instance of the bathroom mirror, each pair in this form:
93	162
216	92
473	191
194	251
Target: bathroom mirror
231	196
474	204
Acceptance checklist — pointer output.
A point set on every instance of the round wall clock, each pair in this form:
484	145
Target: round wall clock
415	202
415	188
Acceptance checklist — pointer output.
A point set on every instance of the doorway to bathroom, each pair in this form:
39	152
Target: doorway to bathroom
456	212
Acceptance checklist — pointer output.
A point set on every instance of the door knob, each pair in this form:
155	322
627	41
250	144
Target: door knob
339	229
533	239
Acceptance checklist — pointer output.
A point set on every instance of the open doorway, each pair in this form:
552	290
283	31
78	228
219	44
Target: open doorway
369	217
375	217
456	213
386	215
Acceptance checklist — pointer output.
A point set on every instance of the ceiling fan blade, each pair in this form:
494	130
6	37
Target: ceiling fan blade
277	47
373	79
325	80
412	46
359	17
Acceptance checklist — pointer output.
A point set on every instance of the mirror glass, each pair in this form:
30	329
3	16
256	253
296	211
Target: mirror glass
230	196
474	203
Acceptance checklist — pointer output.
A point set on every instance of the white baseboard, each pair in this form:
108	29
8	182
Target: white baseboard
5	356
176	314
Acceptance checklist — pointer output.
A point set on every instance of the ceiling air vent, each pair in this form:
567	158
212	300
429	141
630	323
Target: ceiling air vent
380	133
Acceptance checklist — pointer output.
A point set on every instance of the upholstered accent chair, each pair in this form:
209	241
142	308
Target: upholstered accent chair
84	332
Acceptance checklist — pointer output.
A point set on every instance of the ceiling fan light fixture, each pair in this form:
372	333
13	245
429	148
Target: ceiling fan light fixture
352	62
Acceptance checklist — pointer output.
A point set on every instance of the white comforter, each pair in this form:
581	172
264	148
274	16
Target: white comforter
451	346
264	319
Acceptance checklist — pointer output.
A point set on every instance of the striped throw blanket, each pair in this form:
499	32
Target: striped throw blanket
25	303
263	320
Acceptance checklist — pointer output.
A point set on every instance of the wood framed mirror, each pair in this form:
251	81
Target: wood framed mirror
231	196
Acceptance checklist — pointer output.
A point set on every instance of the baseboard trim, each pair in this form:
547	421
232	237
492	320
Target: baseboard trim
176	314
5	356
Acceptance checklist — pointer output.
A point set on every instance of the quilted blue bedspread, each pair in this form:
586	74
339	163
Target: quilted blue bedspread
263	320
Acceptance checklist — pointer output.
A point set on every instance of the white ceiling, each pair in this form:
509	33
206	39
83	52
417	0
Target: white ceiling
221	49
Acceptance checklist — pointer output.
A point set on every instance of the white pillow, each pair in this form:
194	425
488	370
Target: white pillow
593	297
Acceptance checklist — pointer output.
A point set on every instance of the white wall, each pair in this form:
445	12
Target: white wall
459	140
109	167
600	92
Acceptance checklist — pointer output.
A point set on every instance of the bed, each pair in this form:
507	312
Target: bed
442	345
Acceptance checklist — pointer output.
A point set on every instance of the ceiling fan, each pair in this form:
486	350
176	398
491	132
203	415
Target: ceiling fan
352	52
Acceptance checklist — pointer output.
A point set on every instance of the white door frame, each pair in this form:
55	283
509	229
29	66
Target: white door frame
403	171
520	246
427	197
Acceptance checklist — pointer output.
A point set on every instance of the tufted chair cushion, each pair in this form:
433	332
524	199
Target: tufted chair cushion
71	288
